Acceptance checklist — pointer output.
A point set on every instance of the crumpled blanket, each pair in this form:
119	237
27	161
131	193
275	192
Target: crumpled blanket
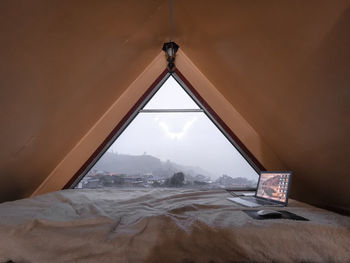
163	225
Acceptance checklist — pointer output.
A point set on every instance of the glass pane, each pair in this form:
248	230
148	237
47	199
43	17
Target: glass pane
171	96
171	149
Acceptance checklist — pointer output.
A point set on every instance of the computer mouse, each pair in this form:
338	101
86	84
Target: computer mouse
269	213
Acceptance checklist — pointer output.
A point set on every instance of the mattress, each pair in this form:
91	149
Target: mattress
163	225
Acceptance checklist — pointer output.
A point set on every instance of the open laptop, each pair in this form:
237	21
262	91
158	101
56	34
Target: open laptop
273	190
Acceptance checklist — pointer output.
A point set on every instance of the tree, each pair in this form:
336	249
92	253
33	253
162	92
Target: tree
177	179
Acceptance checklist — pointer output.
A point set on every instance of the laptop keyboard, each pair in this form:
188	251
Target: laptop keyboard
242	202
252	202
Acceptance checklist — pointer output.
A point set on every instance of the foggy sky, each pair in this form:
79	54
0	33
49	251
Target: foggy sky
184	138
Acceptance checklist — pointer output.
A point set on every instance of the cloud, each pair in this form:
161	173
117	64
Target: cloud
176	135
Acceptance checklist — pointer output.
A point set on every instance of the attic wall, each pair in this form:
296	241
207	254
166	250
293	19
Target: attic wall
63	63
285	66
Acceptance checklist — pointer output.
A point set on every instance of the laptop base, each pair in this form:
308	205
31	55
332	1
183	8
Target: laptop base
252	202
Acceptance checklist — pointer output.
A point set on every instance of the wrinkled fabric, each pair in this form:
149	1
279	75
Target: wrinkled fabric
163	225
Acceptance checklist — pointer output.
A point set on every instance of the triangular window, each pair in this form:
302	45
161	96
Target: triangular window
170	141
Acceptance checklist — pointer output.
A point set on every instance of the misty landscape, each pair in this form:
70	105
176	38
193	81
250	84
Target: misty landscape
121	170
171	149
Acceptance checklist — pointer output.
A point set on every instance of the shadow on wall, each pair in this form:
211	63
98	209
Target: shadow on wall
11	188
322	165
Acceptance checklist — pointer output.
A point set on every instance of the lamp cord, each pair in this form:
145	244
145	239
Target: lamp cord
172	20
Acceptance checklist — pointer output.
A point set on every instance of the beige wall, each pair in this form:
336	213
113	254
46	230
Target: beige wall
63	64
285	66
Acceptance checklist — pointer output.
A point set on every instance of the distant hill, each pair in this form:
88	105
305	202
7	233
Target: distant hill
228	180
146	164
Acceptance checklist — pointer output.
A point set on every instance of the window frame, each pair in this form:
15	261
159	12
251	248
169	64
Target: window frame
138	108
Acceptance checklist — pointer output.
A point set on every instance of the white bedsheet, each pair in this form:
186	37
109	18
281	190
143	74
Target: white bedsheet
163	225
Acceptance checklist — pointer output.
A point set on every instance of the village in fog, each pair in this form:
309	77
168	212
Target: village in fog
147	171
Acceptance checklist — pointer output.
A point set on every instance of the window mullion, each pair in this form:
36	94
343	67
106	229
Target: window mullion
169	110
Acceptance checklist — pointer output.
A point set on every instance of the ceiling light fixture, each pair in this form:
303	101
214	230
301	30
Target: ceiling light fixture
170	48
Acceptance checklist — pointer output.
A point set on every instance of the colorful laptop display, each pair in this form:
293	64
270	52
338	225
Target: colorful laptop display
273	189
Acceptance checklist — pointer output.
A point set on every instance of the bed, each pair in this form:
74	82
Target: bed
163	225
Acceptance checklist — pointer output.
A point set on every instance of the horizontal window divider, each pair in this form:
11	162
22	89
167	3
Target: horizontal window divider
170	110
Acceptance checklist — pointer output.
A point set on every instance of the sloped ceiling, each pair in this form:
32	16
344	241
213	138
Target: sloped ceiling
284	65
63	63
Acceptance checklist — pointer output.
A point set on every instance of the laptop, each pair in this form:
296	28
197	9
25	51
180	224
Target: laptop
273	190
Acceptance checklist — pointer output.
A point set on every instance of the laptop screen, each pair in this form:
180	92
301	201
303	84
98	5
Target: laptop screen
274	186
